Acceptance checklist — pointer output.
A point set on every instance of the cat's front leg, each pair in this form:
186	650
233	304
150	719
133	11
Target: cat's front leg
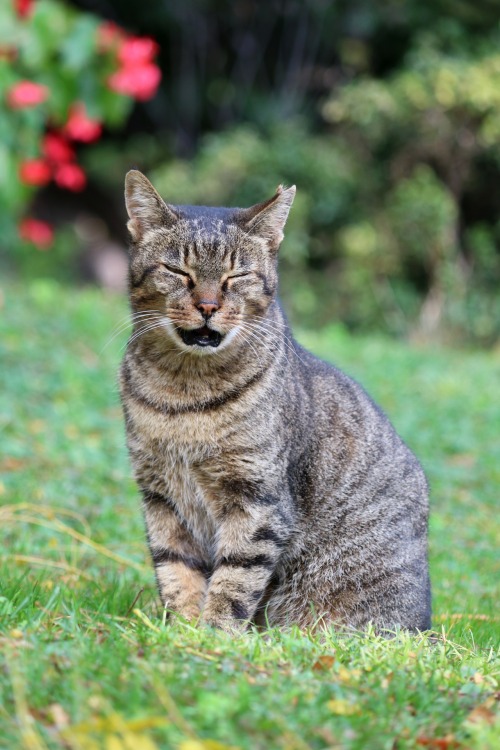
251	538
181	570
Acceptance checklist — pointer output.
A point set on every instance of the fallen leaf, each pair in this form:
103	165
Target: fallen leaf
437	743
324	662
9	463
342	707
59	716
138	742
348	676
477	678
36	426
481	713
462	460
386	681
204	745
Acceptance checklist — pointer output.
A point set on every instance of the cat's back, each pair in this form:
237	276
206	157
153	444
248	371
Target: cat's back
358	458
360	540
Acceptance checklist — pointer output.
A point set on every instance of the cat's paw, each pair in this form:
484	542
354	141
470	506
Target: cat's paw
222	612
227	624
189	613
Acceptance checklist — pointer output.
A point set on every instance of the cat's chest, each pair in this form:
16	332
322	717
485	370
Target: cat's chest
176	464
164	461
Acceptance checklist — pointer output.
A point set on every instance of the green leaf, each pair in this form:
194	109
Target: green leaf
79	46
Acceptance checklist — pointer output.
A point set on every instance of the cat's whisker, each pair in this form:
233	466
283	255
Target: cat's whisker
131	317
288	342
259	327
142	319
128	322
148	322
142	330
245	336
258	347
272	325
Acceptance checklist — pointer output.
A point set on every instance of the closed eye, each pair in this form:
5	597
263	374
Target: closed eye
241	275
179	272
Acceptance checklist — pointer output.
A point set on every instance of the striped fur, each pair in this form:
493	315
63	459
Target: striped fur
274	489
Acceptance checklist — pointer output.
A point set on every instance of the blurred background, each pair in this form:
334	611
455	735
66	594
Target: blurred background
385	113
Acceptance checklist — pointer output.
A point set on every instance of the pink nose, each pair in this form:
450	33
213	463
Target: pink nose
207	308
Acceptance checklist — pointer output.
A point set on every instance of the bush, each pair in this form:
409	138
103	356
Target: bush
429	139
393	225
64	76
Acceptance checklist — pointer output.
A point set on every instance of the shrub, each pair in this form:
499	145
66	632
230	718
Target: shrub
64	76
395	223
429	139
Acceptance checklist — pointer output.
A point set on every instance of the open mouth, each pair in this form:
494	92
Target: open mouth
203	336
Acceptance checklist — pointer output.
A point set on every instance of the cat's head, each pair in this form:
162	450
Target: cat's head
198	275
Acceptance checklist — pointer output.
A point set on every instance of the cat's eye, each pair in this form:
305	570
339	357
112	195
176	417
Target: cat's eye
233	276
179	272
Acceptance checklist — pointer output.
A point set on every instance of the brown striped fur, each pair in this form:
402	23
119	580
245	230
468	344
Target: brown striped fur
274	489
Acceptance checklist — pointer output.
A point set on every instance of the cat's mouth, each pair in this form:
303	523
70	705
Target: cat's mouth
203	336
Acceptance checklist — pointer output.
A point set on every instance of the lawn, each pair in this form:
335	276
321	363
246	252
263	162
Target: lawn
87	662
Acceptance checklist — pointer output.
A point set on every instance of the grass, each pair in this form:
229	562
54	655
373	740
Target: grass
86	661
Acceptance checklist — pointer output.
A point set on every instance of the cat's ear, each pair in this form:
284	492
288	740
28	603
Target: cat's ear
268	219
146	209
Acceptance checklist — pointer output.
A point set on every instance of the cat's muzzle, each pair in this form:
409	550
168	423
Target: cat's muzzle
203	336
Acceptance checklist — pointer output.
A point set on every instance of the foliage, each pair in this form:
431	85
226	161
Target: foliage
86	660
241	61
428	136
63	75
388	229
385	114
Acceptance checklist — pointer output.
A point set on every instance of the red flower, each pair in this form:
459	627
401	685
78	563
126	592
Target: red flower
140	83
80	127
71	177
56	148
109	35
38	232
24	8
26	94
34	172
137	51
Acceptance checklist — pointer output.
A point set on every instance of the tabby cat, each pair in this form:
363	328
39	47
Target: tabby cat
274	490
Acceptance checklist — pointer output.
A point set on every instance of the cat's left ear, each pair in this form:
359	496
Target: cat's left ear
267	219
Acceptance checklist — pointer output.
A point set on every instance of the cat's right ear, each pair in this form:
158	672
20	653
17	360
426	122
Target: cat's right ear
145	207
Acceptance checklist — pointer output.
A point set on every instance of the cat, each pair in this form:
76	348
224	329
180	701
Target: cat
275	491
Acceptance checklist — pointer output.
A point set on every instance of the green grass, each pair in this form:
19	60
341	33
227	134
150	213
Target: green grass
87	663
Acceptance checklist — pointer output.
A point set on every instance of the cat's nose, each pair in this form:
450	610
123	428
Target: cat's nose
207	307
